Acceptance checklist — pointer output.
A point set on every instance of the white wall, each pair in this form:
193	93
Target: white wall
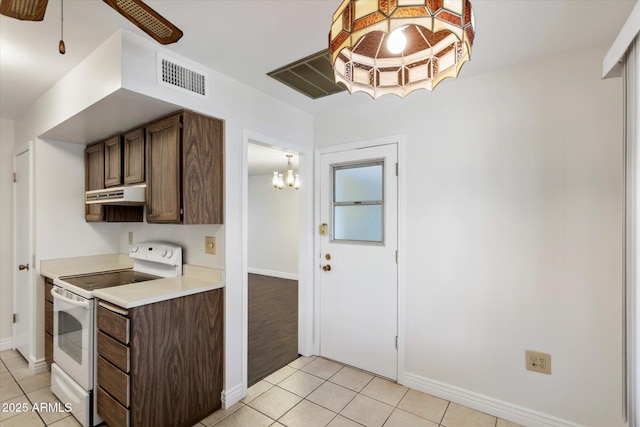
513	235
60	168
61	230
190	237
6	232
273	229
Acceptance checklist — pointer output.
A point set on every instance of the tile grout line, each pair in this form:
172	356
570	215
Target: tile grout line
23	392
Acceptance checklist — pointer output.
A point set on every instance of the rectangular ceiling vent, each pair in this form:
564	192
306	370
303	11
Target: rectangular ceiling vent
186	79
312	76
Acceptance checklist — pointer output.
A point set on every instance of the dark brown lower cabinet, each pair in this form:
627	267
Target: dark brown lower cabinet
160	364
48	321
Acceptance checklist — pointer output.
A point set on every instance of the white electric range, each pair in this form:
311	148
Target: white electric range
73	373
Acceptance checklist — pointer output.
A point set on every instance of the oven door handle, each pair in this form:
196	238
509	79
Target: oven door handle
57	296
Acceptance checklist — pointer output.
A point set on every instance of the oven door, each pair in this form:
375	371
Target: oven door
73	325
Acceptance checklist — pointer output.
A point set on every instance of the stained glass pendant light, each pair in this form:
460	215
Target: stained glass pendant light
398	46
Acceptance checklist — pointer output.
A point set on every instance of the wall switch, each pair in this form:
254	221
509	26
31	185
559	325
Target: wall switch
210	245
538	362
131	237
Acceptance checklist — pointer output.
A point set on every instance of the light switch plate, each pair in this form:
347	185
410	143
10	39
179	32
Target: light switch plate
210	245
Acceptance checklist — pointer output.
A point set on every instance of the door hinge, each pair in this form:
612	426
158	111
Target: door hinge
396	342
15	317
15	177
396	257
396	169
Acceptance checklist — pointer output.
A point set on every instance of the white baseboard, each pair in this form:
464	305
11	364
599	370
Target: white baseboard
271	273
6	344
39	366
232	396
488	405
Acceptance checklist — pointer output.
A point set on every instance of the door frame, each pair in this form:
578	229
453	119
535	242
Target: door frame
28	148
306	337
400	141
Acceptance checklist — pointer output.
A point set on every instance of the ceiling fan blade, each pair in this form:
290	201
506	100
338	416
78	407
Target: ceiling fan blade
147	19
25	10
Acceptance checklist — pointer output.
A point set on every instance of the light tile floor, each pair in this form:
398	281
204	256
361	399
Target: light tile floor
26	399
308	392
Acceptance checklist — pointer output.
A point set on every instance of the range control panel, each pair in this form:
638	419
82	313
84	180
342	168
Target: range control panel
159	252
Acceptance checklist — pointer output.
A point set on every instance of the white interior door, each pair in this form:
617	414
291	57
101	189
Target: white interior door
358	244
21	294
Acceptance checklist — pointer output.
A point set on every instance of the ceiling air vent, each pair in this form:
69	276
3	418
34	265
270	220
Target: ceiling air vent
180	77
312	76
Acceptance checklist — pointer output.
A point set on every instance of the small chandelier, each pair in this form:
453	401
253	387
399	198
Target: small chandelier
398	46
292	181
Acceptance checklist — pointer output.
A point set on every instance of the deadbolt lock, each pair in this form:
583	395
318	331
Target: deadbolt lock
327	257
326	267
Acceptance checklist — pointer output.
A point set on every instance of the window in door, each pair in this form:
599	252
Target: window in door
358	202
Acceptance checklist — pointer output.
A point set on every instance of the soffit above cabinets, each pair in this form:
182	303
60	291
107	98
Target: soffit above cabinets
118	112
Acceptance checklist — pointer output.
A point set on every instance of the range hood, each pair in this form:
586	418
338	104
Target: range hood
125	196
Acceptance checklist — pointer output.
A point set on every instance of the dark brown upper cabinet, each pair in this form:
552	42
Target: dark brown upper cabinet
185	169
94	178
133	144
113	162
103	168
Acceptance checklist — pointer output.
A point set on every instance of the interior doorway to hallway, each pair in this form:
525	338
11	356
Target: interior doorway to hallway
272	261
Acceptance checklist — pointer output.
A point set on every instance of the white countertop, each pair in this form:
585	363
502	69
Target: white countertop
195	279
137	294
62	267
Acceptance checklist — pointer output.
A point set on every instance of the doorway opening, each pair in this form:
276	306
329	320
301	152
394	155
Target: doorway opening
272	261
277	253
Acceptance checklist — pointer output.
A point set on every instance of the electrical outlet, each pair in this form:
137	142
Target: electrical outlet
210	245
538	362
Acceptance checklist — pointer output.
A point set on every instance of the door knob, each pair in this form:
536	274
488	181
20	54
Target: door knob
23	267
326	267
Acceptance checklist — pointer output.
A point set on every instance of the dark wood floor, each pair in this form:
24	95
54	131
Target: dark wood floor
273	325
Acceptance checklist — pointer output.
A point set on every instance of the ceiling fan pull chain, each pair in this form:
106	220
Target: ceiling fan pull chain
61	47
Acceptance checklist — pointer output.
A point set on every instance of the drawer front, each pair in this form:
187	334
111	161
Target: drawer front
113	324
114	381
48	317
113	413
114	351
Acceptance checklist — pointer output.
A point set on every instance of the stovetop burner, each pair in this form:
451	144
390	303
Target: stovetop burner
92	282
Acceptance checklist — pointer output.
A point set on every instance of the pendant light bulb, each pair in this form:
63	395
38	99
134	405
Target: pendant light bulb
275	180
61	47
397	41
290	178
296	184
280	182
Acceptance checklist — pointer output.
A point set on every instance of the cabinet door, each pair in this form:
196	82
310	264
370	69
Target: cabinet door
202	169
94	178
134	157
112	162
163	170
